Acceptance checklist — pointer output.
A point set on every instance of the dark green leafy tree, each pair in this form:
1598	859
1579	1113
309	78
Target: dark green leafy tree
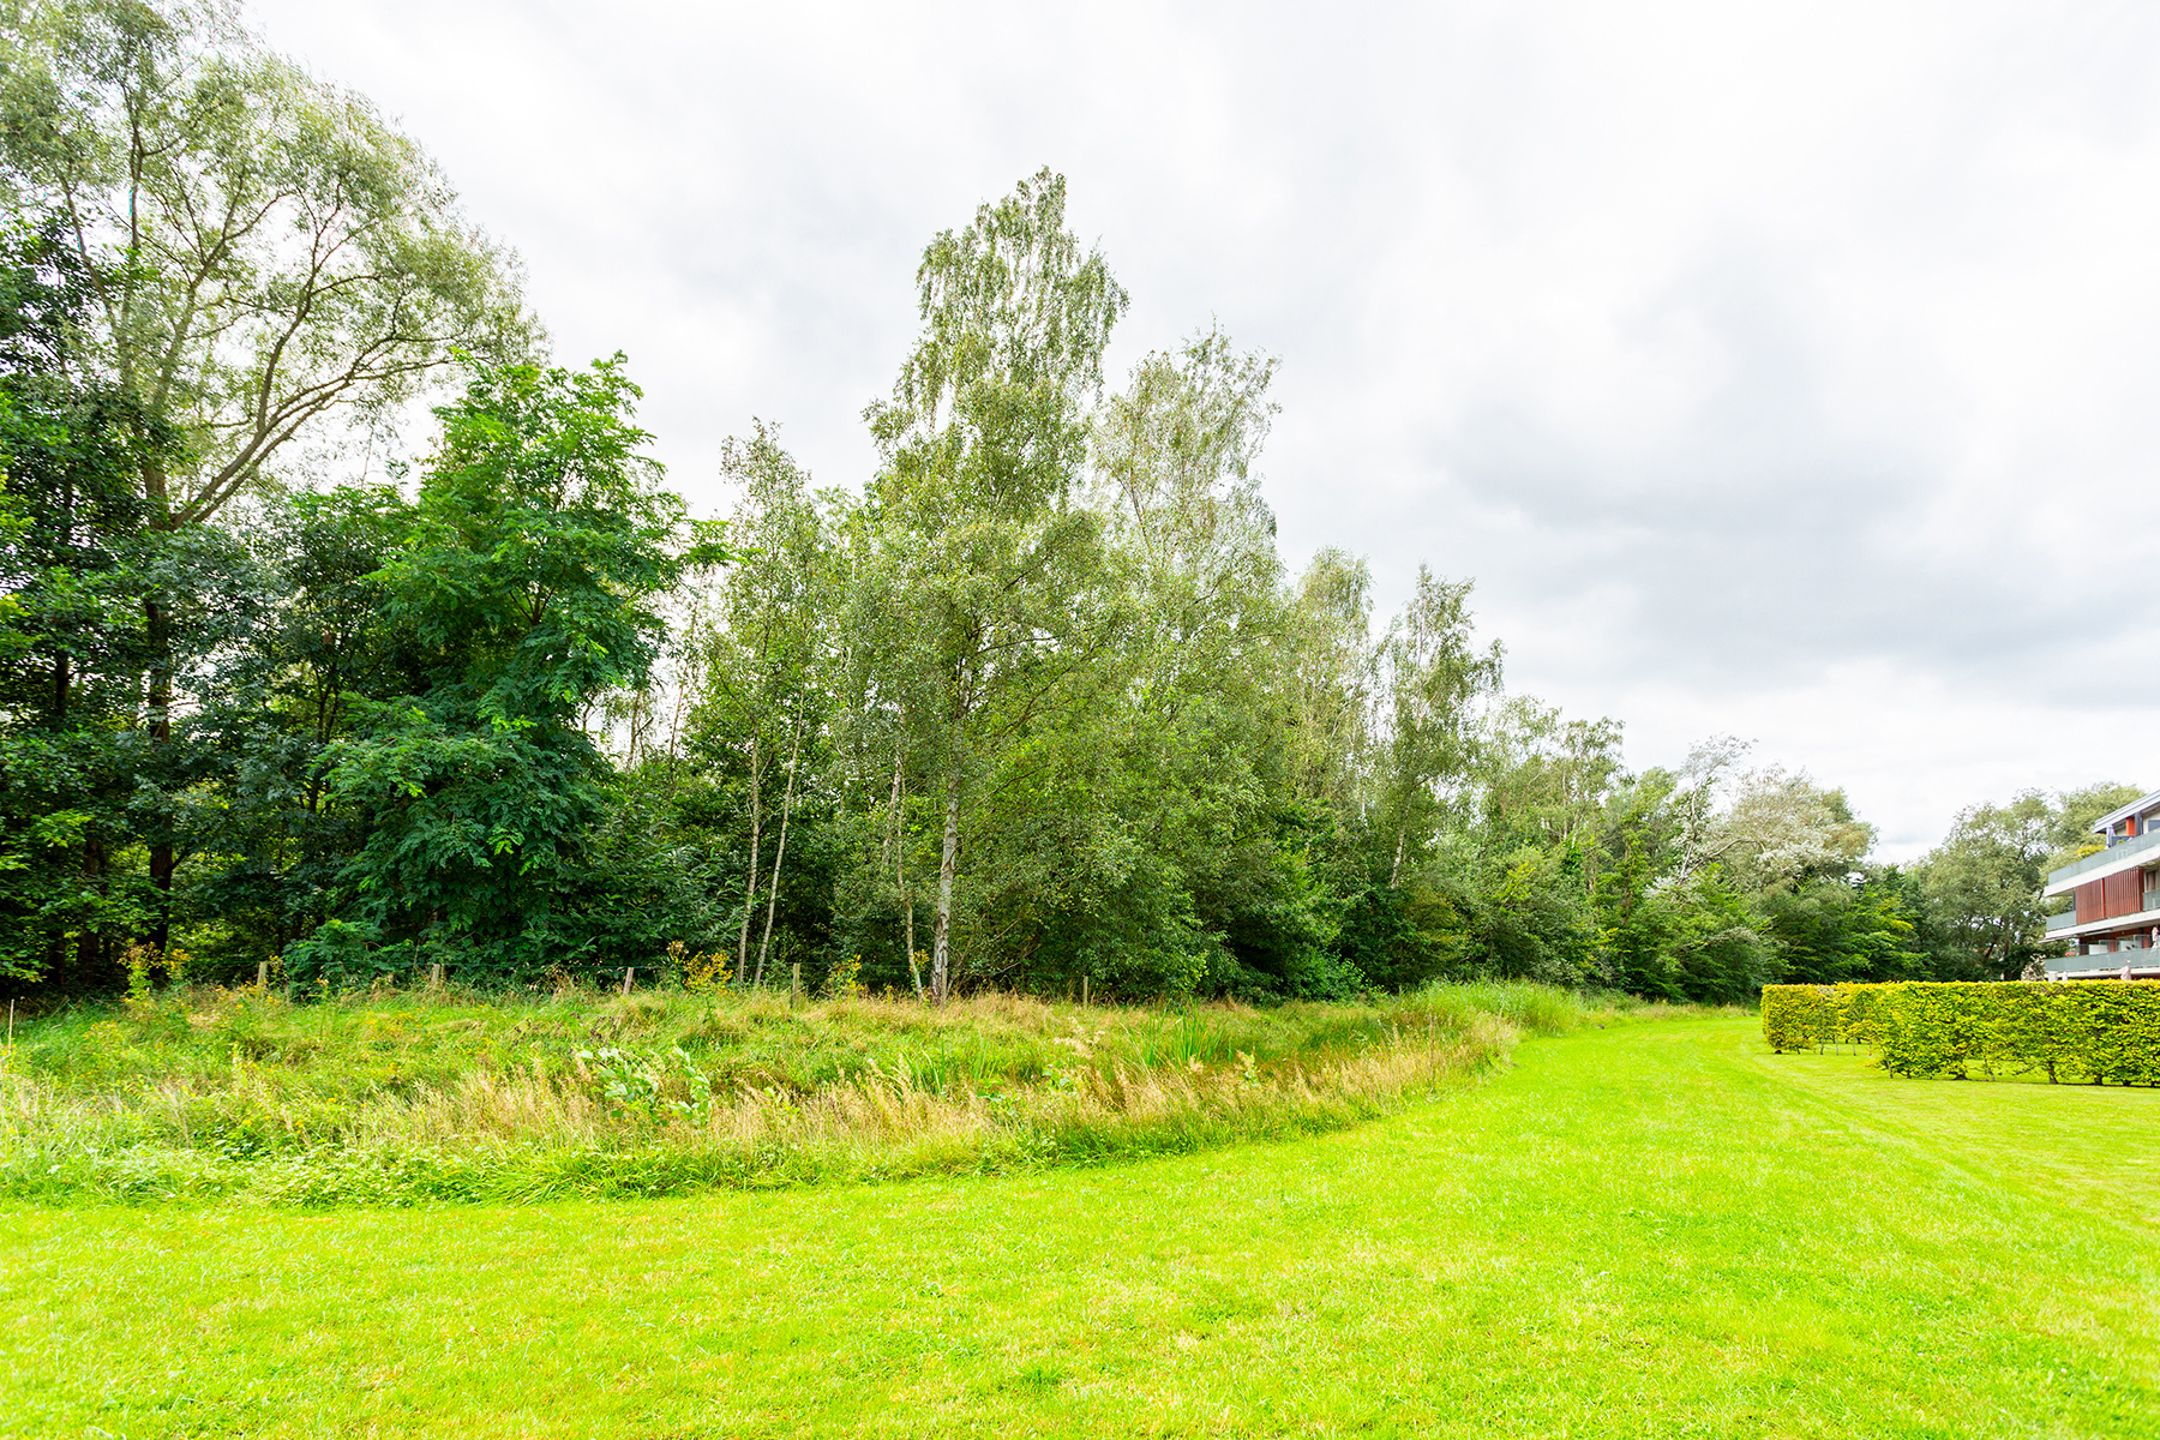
540	540
263	258
1856	929
316	655
72	649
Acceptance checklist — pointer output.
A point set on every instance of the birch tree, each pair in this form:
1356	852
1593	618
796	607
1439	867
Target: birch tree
766	690
983	440
1328	682
1183	756
1435	674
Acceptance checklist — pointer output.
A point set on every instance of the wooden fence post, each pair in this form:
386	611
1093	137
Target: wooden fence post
794	988
434	978
1083	990
628	971
262	975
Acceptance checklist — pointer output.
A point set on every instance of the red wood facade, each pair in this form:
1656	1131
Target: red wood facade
2122	894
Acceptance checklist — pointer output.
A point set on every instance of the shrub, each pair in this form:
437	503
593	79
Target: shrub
844	980
701	970
1792	1016
2098	1031
1808	1017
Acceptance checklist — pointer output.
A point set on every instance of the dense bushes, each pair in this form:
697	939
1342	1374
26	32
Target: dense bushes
2099	1031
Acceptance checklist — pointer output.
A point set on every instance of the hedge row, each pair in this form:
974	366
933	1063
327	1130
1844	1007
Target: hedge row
1808	1017
2096	1031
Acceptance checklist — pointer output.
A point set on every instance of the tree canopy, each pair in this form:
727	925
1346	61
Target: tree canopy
1035	703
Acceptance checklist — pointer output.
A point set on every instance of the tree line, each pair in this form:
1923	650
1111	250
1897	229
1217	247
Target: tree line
1036	701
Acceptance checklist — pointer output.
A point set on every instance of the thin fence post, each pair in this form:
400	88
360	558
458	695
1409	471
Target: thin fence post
794	988
262	975
435	977
1083	990
627	973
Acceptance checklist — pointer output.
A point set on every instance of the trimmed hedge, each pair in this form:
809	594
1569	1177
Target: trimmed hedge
1808	1017
2095	1031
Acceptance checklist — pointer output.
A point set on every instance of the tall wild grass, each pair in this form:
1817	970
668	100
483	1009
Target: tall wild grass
427	1097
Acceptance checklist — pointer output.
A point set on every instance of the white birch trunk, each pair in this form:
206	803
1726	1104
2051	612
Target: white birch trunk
787	806
750	885
948	865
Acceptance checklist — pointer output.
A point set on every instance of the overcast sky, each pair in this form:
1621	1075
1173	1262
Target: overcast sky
1788	375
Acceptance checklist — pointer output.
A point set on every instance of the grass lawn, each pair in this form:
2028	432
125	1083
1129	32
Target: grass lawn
1657	1228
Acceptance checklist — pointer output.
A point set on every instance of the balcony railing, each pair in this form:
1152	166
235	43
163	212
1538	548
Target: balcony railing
2148	843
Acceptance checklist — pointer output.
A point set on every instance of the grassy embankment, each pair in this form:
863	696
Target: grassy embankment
1651	1229
435	1097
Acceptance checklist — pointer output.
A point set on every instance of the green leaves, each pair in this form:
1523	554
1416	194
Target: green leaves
526	584
75	567
2086	1031
539	538
1044	689
268	255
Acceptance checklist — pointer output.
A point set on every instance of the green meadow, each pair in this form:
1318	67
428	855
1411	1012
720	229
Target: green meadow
1653	1227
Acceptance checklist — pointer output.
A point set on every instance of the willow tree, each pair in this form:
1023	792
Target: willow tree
983	441
267	255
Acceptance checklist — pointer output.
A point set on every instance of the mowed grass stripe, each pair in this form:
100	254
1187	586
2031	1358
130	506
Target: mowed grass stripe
1652	1229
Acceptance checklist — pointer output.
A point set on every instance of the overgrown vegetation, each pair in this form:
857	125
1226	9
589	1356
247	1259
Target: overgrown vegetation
2093	1031
401	1099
